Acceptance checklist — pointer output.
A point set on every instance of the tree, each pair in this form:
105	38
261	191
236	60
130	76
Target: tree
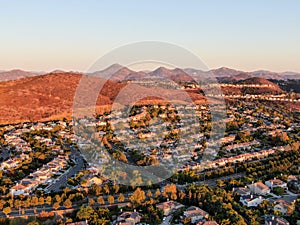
7	210
106	189
170	191
34	201
157	193
291	208
41	200
57	198
279	191
100	200
121	198
56	205
68	204
281	137
220	183
111	199
149	194
138	197
27	202
186	220
67	190
181	195
17	203
97	190
103	221
116	188
49	200
91	201
2	203
33	223
85	212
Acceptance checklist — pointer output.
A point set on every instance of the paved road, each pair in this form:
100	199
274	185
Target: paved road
63	179
167	220
30	212
46	208
213	182
291	193
4	155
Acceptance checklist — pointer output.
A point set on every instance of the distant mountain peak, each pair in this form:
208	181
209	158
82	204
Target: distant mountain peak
115	66
162	69
225	72
57	71
15	74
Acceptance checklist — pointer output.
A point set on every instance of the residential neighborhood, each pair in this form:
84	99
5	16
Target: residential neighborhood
249	171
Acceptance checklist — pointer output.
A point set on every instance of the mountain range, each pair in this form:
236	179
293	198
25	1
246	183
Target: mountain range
29	96
121	73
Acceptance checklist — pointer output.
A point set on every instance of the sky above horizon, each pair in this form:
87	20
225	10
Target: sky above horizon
71	35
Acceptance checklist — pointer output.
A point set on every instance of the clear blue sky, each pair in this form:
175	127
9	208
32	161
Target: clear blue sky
72	34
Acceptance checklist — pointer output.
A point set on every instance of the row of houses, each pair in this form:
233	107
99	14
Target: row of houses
41	176
234	159
14	140
260	97
13	162
246	85
243	146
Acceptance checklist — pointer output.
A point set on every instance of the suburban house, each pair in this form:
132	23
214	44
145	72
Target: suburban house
242	191
276	183
251	200
79	223
259	188
94	180
292	177
283	207
130	218
168	207
195	214
274	220
10	163
19	189
294	186
41	176
207	223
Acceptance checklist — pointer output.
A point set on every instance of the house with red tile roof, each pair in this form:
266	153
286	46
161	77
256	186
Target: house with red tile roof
195	214
276	183
259	188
